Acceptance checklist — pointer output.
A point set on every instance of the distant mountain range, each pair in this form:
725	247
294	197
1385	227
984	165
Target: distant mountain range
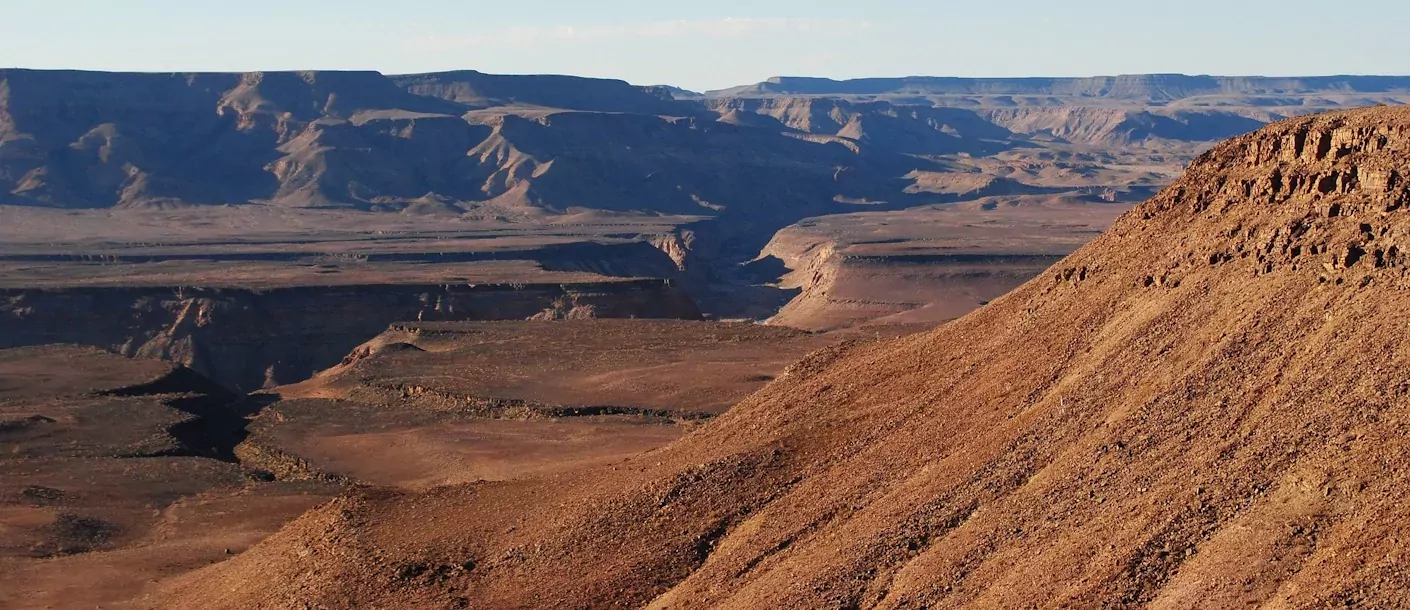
1139	87
502	145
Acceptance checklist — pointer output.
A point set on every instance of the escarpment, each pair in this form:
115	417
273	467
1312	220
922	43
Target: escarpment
457	142
1162	420
1149	87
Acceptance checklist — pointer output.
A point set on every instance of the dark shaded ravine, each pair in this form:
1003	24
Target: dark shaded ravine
250	339
219	418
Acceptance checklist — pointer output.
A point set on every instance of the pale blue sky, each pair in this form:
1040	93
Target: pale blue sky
717	43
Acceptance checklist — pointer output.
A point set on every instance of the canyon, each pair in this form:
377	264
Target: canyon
263	192
1202	407
799	343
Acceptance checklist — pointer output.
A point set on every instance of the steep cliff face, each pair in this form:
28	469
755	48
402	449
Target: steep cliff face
249	339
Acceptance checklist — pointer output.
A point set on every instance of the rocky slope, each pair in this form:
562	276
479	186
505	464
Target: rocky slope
250	339
1202	408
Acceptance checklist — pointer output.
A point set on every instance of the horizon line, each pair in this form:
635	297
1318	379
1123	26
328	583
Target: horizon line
662	84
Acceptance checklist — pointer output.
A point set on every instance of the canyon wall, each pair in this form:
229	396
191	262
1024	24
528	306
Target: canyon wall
250	339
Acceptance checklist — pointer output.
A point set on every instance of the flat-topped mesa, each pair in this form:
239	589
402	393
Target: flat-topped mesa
1152	87
312	95
480	90
938	128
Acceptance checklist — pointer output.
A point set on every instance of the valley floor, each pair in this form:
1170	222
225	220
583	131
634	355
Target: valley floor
120	473
117	478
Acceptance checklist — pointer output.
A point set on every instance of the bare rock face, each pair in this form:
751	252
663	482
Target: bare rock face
1205	407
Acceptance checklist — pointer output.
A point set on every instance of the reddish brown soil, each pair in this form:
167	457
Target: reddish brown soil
1205	407
102	494
102	498
429	404
492	450
656	365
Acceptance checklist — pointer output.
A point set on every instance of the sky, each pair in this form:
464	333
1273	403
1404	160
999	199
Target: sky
714	44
